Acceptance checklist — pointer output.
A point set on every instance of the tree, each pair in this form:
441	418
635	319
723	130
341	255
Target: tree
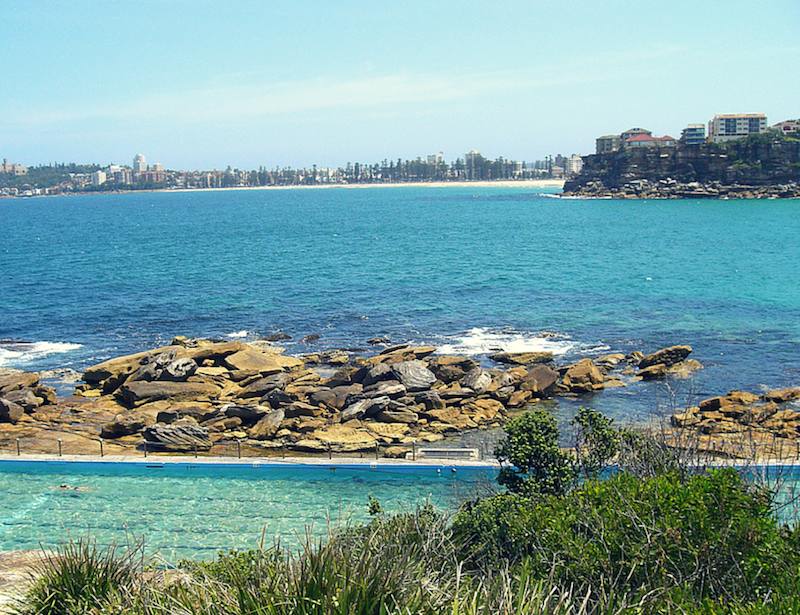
538	465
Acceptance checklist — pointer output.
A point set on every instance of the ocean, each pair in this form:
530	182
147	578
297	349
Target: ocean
469	269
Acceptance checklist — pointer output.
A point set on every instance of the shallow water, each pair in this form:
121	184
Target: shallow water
193	510
470	269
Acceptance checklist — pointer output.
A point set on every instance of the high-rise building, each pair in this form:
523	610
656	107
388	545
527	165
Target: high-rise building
607	143
98	178
730	126
139	164
471	159
574	165
437	158
694	134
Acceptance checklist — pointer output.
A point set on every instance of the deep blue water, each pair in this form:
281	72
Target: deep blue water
471	268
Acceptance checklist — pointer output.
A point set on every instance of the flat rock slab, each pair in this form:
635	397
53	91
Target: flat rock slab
140	392
521	358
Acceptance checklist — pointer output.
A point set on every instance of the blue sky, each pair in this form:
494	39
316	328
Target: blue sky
200	84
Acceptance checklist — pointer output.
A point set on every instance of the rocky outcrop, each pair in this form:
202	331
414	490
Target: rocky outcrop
203	394
762	166
740	412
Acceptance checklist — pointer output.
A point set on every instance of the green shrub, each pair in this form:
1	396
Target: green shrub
712	535
78	578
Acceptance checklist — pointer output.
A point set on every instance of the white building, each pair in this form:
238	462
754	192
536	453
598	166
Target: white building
139	163
730	126
98	178
437	158
574	165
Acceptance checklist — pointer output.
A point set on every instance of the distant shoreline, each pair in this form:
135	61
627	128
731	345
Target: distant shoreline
503	183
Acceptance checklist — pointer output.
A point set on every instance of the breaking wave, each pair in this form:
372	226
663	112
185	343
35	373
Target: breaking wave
20	353
483	341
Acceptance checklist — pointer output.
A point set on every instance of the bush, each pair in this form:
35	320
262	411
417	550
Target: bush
712	536
79	578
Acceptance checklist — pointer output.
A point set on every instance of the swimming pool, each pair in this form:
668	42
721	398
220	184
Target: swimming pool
193	510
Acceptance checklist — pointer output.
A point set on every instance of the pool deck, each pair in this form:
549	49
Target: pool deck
250	461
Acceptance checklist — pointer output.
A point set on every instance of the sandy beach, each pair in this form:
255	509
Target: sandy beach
526	183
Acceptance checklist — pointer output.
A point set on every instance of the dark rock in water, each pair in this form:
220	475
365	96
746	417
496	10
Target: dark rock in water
268	425
478	380
139	392
522	358
414	375
248	414
25	398
182	436
10	412
540	380
279	336
374	341
262	386
667	356
309	339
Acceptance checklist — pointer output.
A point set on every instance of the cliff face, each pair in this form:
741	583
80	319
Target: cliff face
756	161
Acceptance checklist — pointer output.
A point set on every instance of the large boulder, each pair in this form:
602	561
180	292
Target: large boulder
140	392
390	388
15	381
262	386
451	368
125	424
25	398
376	373
540	380
119	368
414	375
583	377
478	380
268	425
9	411
249	414
181	436
521	358
666	356
250	360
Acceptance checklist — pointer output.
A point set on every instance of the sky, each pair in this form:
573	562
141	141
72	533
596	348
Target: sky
199	84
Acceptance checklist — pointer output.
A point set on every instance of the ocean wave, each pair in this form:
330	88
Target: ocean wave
20	353
238	334
484	341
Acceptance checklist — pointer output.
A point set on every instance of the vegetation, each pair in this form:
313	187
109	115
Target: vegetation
572	535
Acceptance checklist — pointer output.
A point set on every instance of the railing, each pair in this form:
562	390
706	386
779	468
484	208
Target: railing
239	449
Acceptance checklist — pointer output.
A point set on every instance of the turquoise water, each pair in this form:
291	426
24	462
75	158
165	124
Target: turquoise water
87	277
193	510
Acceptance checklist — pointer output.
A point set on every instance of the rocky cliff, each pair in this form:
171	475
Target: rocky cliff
767	165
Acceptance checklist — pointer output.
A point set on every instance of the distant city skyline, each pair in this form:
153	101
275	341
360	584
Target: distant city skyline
197	85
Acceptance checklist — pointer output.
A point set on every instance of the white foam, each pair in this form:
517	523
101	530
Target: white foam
19	353
238	334
483	341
